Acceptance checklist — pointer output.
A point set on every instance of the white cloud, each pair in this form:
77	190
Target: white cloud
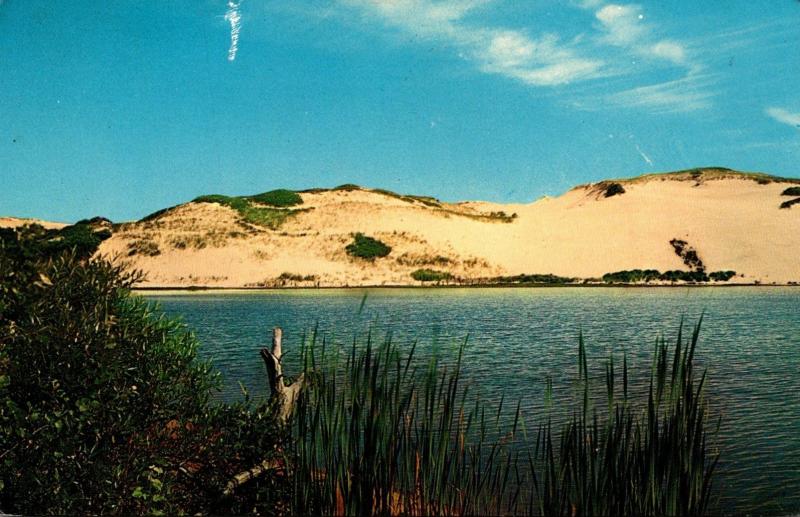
234	17
690	93
644	156
625	26
784	116
669	50
536	61
623	23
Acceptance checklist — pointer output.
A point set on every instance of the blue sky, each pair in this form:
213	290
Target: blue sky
121	108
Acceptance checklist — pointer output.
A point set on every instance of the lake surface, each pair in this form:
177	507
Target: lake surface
750	344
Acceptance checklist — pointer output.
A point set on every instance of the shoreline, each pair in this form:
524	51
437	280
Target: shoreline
203	289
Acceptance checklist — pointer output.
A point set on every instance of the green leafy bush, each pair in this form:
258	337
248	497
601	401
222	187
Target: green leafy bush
791	191
279	198
722	276
431	275
367	248
82	238
105	408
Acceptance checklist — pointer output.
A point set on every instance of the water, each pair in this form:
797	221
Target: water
750	344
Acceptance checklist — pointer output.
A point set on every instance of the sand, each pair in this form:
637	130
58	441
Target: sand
733	221
734	224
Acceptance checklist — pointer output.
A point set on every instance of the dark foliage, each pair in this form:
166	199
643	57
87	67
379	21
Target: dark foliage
791	191
614	189
82	238
431	275
105	406
367	248
635	276
687	254
790	203
280	198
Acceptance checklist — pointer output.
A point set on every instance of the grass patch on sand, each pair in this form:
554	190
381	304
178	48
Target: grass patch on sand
251	210
367	248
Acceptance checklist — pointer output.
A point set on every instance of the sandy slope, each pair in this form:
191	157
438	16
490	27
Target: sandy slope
14	222
733	222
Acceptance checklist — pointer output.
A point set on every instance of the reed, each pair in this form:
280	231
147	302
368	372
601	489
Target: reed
381	435
376	432
651	461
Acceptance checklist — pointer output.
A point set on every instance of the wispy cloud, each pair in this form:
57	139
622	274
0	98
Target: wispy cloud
542	60
678	96
621	43
625	26
784	116
234	17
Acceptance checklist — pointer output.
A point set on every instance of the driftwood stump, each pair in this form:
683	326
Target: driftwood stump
285	396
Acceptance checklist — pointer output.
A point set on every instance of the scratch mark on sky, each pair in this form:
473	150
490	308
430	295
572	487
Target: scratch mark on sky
644	156
234	17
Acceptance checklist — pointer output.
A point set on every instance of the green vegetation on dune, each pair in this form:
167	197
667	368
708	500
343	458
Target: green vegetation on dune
636	276
791	191
367	248
431	275
790	203
279	198
252	209
83	238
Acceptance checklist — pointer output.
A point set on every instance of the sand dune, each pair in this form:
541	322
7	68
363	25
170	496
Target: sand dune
732	220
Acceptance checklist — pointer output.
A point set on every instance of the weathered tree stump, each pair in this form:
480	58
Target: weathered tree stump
284	396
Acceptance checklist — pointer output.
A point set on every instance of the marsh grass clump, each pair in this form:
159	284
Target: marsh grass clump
376	434
630	461
368	248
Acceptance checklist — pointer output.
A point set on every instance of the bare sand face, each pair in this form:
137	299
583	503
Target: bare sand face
16	222
733	223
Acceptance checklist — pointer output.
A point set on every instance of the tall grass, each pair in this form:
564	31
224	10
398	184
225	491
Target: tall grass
650	461
381	433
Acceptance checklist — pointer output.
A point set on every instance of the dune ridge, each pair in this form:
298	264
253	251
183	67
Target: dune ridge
733	220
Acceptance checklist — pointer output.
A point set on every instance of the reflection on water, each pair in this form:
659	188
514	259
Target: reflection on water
750	344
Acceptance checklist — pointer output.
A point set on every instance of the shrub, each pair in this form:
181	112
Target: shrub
614	189
791	191
367	248
722	276
533	278
81	238
430	275
788	204
105	406
279	198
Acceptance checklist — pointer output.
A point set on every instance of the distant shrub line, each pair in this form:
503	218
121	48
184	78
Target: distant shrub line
635	276
431	275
